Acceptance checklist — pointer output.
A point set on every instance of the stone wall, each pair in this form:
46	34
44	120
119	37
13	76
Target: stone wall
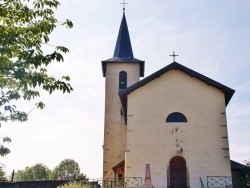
33	184
42	184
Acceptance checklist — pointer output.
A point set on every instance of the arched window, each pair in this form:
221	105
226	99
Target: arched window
122	80
176	117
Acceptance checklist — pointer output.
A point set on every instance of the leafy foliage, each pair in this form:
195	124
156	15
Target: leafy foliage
68	169
2	173
4	150
25	27
71	185
247	173
247	162
34	173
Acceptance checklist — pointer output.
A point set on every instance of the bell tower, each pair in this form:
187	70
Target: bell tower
120	72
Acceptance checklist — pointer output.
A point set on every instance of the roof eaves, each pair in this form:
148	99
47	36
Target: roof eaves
118	60
226	90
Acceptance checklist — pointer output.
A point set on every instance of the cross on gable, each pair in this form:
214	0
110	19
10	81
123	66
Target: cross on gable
174	56
124	3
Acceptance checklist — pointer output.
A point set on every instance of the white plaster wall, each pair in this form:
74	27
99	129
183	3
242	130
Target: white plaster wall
114	126
150	138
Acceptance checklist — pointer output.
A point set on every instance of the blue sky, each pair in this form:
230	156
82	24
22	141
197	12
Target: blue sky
210	36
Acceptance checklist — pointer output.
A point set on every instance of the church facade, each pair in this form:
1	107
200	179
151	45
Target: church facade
174	120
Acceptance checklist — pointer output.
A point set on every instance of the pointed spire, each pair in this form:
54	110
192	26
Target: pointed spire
123	48
147	172
147	180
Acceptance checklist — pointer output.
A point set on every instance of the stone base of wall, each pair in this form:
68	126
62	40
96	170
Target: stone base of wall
33	184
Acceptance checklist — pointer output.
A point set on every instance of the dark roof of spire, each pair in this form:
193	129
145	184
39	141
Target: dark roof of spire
123	50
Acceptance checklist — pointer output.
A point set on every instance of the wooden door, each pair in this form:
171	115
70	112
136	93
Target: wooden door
178	173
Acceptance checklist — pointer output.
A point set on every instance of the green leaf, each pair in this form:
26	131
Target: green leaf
24	30
62	48
6	139
4	150
40	105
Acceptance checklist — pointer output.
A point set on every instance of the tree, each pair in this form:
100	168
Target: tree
25	27
247	162
68	169
34	173
2	173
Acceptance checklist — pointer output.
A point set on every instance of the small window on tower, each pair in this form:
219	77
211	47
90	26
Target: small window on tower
176	117
122	80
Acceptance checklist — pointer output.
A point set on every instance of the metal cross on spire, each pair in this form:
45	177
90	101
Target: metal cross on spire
124	3
174	56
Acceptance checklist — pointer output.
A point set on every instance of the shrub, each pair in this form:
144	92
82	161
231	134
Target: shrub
71	185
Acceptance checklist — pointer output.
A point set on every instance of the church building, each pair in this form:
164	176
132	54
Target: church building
171	123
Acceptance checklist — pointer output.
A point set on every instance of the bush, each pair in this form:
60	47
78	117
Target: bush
71	185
